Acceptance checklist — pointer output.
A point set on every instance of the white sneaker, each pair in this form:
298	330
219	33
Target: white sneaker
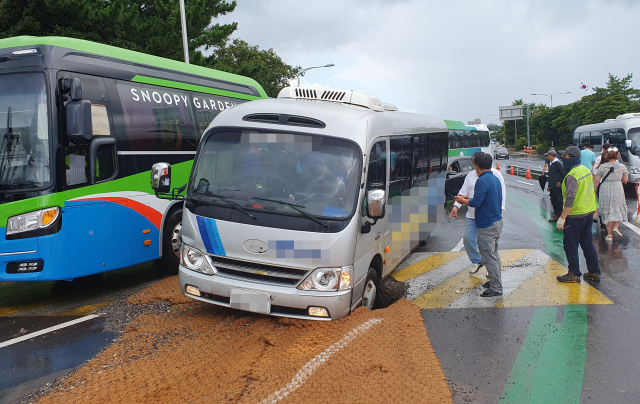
476	267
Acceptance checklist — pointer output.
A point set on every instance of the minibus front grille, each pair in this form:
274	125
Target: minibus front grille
258	272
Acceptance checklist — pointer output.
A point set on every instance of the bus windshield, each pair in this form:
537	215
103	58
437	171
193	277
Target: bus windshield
24	150
271	171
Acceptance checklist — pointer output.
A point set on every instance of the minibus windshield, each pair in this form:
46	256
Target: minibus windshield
24	146
260	170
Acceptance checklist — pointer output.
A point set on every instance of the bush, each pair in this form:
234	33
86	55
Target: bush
520	144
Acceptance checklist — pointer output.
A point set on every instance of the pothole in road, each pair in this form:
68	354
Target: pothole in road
390	291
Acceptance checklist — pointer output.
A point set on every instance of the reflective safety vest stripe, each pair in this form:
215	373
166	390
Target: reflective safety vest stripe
585	201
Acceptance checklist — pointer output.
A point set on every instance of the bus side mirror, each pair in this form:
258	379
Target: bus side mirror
628	143
376	203
78	112
161	177
79	127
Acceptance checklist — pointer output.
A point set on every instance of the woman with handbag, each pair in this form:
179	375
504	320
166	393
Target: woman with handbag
613	206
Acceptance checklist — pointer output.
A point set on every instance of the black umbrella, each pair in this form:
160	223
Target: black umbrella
542	181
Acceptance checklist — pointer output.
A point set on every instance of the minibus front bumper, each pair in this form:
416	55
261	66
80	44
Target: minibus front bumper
286	301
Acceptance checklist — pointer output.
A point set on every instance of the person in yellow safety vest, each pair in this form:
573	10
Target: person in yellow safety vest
577	217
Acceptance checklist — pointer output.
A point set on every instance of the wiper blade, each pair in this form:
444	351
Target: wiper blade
230	203
8	139
296	207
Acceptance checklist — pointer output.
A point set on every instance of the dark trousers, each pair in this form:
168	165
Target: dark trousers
577	232
556	200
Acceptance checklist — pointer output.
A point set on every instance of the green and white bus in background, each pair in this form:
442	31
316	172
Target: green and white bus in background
82	123
464	140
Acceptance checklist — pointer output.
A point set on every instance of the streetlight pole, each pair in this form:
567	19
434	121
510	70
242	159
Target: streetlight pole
309	68
183	21
552	95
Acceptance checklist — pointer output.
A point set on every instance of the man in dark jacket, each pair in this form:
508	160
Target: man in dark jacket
556	176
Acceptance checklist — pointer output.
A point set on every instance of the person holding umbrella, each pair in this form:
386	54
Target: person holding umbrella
556	176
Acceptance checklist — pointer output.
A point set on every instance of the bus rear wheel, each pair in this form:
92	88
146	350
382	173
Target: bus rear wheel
171	243
370	289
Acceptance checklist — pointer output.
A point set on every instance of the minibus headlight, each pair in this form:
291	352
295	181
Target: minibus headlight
195	260
38	219
634	169
328	279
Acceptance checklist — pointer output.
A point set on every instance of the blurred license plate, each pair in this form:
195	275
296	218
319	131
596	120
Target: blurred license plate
250	301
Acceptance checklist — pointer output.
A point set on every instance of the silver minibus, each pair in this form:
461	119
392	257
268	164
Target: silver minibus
622	132
299	206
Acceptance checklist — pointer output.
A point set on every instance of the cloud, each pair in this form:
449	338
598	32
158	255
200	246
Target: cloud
456	59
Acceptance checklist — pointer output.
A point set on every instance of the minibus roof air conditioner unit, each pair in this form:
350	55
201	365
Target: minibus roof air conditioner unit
609	120
627	116
390	107
350	97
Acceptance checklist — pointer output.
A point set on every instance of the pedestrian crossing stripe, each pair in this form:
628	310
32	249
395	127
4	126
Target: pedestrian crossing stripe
442	280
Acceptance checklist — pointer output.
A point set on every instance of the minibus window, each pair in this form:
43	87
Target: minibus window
319	174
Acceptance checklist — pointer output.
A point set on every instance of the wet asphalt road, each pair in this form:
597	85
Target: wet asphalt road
31	307
478	347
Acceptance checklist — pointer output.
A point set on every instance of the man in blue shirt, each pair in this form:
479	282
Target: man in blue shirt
587	157
487	201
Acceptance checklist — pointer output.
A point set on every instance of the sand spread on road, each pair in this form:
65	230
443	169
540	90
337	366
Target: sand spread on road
201	353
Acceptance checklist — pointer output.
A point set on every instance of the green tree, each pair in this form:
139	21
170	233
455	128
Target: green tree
262	65
150	26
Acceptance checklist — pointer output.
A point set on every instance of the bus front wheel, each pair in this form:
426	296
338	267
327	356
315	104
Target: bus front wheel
171	242
370	289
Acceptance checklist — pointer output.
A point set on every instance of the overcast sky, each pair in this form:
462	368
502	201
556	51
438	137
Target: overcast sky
455	59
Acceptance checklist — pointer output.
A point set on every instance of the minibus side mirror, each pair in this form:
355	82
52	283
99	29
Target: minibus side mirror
161	177
450	173
79	128
630	146
376	199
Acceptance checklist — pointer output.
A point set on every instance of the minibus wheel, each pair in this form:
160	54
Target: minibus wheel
171	242
370	289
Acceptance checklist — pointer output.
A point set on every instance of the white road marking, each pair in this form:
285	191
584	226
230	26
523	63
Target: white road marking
632	227
47	330
512	277
522	182
459	246
311	366
427	281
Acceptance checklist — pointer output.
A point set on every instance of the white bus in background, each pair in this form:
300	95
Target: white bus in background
300	206
622	132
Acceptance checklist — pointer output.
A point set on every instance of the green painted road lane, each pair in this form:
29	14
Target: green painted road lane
550	366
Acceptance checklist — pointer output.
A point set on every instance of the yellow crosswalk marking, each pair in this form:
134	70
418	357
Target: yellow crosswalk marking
543	289
453	288
426	265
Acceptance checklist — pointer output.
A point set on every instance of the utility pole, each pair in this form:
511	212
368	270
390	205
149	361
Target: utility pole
528	143
183	21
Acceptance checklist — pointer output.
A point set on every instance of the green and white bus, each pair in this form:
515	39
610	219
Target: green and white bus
82	123
464	140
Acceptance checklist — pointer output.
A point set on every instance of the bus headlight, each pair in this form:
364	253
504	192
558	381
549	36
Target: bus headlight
38	219
634	169
329	279
195	260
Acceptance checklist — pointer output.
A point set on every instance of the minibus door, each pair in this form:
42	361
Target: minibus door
372	237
